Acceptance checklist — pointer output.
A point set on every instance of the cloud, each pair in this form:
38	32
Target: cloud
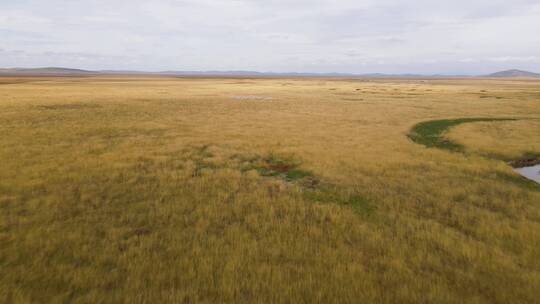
273	35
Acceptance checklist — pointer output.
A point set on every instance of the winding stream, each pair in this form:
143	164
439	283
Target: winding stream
532	173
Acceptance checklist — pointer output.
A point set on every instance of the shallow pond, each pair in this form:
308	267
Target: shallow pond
252	97
532	173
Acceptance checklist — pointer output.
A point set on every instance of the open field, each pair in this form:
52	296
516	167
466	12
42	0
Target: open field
176	190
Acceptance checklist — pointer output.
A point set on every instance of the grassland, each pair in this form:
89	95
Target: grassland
164	190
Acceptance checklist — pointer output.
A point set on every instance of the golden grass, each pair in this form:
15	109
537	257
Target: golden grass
141	190
508	139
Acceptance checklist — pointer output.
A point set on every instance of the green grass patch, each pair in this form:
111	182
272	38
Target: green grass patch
357	202
518	180
297	174
276	166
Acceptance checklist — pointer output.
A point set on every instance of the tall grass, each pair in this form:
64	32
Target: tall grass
132	190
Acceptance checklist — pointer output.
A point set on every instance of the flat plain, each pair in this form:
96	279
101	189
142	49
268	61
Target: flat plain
179	190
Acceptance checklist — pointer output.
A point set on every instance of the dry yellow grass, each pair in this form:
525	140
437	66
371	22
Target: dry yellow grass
508	139
144	190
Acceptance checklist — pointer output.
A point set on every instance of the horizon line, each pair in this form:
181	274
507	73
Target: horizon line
239	72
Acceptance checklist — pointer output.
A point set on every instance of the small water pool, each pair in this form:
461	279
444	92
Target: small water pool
532	173
252	97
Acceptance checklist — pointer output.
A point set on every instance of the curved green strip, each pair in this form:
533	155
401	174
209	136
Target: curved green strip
430	133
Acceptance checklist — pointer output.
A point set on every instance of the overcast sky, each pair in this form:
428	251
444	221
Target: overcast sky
360	36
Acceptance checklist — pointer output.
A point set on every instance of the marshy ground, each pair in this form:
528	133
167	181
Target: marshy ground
167	190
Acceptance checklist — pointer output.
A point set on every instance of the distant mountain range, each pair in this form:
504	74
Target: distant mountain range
77	72
56	71
45	71
514	73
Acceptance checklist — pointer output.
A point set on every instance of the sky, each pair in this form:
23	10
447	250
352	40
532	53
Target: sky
349	36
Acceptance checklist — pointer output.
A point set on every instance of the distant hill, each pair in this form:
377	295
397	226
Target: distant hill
44	71
59	71
280	74
514	73
55	71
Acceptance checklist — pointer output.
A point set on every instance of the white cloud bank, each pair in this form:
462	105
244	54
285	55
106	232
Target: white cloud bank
361	36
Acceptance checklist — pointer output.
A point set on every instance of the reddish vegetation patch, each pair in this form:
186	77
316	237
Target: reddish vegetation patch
527	162
280	167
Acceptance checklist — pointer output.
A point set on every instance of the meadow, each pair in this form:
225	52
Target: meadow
199	190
